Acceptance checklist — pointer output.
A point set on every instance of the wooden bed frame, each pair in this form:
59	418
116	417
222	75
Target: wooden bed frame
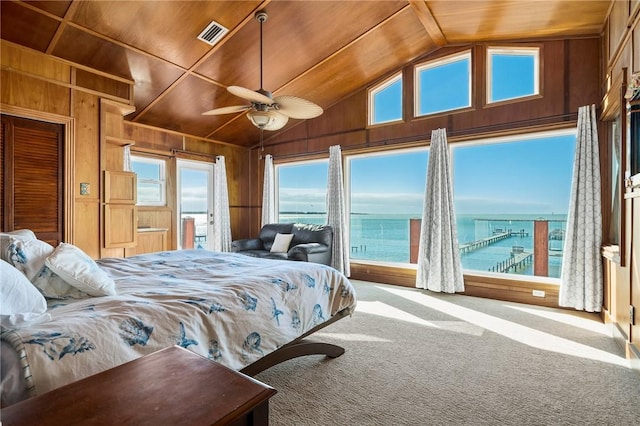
299	347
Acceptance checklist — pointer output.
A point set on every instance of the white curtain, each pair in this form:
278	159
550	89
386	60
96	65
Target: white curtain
581	279
439	267
336	212
268	192
221	219
127	159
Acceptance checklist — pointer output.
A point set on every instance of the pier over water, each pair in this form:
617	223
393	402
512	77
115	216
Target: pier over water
465	248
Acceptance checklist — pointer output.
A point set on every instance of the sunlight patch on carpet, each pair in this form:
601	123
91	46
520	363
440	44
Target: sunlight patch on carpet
520	333
566	318
388	311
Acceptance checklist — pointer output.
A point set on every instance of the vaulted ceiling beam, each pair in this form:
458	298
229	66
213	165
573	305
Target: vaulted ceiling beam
429	22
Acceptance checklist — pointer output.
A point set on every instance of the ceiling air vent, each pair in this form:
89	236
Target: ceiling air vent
213	33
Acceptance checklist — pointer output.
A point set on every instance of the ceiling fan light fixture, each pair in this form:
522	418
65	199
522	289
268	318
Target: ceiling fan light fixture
261	119
265	111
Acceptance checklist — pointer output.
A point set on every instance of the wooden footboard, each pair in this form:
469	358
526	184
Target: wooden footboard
299	347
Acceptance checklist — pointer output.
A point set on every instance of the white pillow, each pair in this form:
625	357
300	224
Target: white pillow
75	267
20	301
28	256
54	287
23	234
281	243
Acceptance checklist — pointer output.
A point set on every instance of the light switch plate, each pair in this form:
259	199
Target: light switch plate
85	188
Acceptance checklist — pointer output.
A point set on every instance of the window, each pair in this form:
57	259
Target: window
385	101
302	192
505	190
151	180
443	85
512	73
386	191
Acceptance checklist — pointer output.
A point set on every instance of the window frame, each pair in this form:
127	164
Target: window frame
278	165
434	63
514	50
372	92
347	166
162	163
490	140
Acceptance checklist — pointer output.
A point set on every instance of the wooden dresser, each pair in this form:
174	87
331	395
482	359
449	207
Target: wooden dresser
173	386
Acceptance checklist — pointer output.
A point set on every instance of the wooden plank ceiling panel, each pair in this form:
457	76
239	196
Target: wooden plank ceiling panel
25	26
384	50
181	108
323	51
167	29
151	75
58	8
485	20
291	29
241	132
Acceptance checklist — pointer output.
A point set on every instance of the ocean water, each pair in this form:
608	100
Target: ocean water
386	238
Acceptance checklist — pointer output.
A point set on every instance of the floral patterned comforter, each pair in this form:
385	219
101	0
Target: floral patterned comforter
231	308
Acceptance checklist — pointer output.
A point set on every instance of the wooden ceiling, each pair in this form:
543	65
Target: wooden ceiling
318	50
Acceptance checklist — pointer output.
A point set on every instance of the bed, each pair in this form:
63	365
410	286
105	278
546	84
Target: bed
246	313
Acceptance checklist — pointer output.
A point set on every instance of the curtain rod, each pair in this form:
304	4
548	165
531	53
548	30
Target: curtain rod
192	153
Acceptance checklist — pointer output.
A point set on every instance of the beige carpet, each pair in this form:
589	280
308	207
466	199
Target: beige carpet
419	358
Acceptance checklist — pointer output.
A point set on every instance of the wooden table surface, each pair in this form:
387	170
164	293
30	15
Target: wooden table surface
173	386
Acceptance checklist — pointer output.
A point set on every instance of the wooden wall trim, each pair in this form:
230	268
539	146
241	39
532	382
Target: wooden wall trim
69	63
183	135
505	288
69	158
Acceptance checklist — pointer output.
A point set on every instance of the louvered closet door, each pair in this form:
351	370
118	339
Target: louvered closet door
32	184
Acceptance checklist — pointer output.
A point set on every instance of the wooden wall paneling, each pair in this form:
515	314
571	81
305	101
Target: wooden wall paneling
297	132
154	217
349	114
153	138
401	276
31	93
103	84
87	225
584	64
621	298
19	59
617	25
87	170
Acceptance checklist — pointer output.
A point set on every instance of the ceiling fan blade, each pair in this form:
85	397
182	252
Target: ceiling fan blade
295	107
250	95
227	110
280	120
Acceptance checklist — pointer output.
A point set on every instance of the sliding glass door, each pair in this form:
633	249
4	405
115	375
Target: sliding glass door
195	204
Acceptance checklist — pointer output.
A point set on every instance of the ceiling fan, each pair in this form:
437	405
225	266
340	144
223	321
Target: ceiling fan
265	111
